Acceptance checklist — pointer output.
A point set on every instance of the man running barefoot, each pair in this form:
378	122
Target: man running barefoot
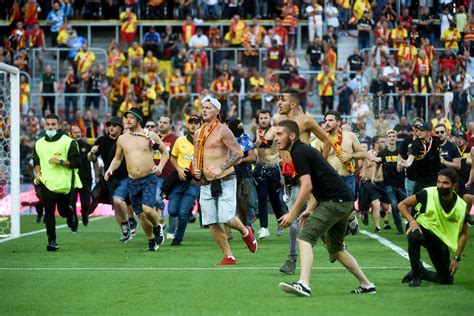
215	153
138	148
329	218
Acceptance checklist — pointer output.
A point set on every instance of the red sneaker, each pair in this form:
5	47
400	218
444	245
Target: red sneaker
227	261
250	240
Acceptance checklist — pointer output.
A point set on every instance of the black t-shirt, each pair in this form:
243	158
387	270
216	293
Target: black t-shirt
427	167
389	168
48	82
314	53
365	22
106	151
404	152
355	62
85	171
327	184
72	84
94	84
426	29
448	151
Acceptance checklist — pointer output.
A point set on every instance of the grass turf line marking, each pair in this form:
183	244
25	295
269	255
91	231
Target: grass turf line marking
44	229
181	269
389	244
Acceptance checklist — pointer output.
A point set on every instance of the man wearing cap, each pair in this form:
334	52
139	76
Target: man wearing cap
138	147
404	153
215	153
183	195
117	185
425	151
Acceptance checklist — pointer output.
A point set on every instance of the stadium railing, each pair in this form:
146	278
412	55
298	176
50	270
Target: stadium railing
35	102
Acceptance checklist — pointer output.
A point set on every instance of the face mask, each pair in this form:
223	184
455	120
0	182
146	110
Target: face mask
443	192
236	127
52	133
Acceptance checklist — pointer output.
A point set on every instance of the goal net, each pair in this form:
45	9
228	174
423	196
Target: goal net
9	151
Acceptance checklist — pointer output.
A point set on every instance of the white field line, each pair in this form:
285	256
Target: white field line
389	244
93	219
178	268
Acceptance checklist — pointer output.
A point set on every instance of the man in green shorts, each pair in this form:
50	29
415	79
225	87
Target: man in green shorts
329	218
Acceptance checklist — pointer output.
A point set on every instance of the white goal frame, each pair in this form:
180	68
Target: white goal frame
14	147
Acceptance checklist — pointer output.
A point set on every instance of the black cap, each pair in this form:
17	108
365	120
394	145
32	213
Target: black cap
426	126
194	118
461	135
137	112
115	120
417	121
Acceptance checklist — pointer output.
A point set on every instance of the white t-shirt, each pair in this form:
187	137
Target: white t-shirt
360	109
318	17
267	40
445	22
198	41
332	21
392	73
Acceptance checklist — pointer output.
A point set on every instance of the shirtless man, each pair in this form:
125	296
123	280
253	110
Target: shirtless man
138	147
215	153
267	172
371	193
289	108
345	149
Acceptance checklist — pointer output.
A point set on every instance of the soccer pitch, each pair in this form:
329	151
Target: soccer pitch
93	274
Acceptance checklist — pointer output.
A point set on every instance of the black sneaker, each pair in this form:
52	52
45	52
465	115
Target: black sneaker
377	229
353	225
387	226
416	282
52	246
133	226
408	277
126	234
363	290
159	236
85	219
288	267
176	242
295	288
153	246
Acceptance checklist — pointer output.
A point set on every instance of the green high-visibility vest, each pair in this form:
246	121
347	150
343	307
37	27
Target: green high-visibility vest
57	178
446	226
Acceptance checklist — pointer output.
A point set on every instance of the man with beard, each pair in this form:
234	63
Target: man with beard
335	203
215	153
267	173
117	186
138	147
289	108
184	193
449	155
439	224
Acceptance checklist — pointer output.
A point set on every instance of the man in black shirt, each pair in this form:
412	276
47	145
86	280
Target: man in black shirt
425	151
335	204
94	85
364	26
404	153
314	53
393	177
48	84
355	63
117	186
85	174
449	154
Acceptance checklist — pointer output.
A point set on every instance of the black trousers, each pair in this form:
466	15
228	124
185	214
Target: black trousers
51	200
85	197
438	252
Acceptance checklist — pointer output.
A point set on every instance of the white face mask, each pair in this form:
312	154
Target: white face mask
51	133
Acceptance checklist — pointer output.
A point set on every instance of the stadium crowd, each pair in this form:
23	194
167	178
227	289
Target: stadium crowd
414	66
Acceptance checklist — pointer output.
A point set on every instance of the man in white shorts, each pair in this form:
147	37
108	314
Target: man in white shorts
216	151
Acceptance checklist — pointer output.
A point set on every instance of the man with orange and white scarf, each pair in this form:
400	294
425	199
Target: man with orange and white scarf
216	151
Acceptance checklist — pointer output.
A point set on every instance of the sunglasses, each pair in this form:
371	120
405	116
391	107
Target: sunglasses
439	132
150	126
112	124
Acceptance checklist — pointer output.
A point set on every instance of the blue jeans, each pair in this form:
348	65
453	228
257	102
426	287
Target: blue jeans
350	182
268	186
181	200
159	200
409	186
364	42
395	195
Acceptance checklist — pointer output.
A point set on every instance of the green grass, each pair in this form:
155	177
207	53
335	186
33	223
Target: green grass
166	284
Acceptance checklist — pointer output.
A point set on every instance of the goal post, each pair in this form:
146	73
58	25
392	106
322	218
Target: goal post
10	156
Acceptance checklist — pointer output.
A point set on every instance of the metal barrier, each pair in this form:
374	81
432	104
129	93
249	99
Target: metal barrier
80	100
58	64
369	50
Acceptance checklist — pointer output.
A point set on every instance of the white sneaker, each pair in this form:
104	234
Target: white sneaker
169	236
263	232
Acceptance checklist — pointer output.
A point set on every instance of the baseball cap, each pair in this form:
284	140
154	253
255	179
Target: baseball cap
137	112
426	126
461	135
417	121
115	120
213	101
194	118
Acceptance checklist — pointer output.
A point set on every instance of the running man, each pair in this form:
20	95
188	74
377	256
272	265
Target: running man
138	148
215	153
329	218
